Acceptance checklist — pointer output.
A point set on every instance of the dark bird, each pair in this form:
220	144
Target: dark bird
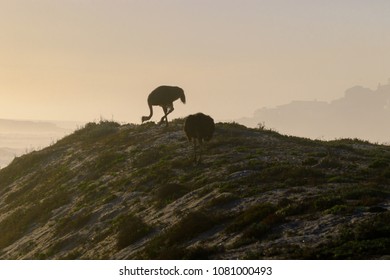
198	128
164	96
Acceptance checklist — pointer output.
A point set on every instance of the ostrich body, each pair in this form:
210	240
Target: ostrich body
164	96
198	128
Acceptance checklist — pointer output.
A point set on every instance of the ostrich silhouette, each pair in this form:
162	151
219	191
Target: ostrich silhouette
198	128
164	96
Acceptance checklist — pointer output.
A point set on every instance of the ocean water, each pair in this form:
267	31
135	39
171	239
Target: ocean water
21	137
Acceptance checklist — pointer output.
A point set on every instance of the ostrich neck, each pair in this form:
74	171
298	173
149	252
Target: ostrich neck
151	110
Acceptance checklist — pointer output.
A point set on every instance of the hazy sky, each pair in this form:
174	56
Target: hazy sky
79	60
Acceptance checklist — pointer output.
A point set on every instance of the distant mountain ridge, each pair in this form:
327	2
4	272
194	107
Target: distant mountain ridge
362	113
22	126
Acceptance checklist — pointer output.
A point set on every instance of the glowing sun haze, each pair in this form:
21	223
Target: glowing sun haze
79	60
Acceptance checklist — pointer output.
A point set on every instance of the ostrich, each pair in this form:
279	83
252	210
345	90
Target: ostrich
164	96
198	128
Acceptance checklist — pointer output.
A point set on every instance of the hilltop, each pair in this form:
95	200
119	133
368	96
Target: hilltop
111	191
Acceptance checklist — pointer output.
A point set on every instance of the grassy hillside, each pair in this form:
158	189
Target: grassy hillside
132	192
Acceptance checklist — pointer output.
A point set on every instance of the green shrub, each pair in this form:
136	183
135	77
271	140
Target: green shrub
291	175
170	192
339	210
222	200
252	215
190	226
130	229
15	225
310	161
168	245
330	162
73	223
364	240
379	164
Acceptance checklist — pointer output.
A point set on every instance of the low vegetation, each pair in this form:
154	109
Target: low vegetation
112	191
